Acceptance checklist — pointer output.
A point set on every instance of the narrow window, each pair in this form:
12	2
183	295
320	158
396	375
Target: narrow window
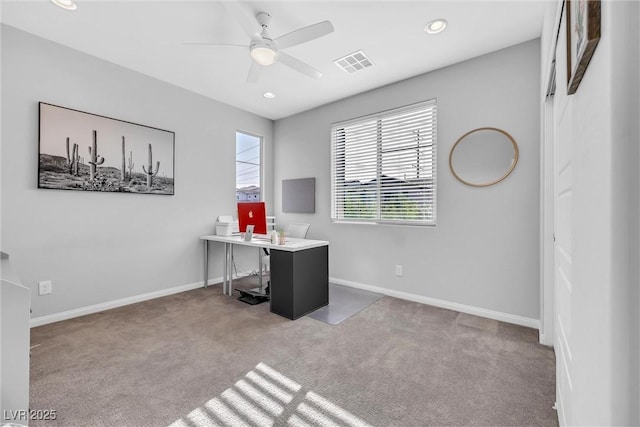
248	171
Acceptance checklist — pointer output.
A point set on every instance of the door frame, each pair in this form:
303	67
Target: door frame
547	187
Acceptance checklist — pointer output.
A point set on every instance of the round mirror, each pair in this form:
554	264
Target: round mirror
483	157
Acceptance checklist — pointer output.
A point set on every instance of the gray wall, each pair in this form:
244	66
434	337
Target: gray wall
484	251
625	208
99	247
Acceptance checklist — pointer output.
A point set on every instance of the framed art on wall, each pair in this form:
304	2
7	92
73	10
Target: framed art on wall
87	152
583	34
299	195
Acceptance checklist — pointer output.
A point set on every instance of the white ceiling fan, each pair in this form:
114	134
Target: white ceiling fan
265	50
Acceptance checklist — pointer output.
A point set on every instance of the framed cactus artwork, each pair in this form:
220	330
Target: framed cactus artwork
87	152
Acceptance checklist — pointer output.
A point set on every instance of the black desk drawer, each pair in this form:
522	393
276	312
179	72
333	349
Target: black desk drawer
299	281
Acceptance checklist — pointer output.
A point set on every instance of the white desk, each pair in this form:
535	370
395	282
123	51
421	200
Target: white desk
299	272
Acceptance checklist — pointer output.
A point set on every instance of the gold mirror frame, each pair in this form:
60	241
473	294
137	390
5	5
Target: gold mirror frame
513	165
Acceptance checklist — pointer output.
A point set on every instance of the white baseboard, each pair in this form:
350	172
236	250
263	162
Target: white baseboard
543	339
562	419
476	311
490	314
83	311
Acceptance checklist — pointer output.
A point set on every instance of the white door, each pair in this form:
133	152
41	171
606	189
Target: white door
563	182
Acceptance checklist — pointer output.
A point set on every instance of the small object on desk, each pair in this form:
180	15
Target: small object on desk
248	235
281	238
274	237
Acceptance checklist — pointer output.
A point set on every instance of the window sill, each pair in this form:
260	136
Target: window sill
385	223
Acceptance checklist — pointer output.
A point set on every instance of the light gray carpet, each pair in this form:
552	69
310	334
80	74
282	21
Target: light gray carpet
344	302
201	358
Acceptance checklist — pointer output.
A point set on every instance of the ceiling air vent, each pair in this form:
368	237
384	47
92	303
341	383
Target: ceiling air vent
353	62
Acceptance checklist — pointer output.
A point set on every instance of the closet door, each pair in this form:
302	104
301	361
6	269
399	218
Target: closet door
563	251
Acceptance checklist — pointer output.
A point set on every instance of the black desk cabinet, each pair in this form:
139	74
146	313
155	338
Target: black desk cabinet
299	281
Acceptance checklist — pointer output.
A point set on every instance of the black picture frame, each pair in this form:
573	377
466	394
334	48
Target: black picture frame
88	152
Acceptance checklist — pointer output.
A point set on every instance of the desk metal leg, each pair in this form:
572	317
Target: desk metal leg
206	263
225	272
261	289
230	268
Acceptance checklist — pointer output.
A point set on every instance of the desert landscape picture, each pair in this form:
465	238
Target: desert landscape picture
87	152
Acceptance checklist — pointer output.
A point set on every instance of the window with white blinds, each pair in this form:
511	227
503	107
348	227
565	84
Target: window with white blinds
384	167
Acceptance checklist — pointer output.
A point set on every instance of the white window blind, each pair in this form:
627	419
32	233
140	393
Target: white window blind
384	167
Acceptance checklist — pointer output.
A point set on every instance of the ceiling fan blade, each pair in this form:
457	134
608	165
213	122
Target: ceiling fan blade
254	72
304	34
298	65
215	44
243	18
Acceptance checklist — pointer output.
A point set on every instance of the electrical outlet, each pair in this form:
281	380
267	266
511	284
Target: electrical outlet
45	287
398	270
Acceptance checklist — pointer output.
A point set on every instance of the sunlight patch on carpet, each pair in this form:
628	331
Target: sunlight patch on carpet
254	401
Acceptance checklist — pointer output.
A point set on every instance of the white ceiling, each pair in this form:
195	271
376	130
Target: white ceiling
149	36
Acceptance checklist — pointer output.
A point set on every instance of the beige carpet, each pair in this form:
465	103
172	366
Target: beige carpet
200	358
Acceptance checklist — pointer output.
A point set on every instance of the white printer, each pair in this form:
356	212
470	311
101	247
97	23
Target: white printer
226	226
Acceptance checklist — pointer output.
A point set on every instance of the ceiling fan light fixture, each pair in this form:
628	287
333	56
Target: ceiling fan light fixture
65	4
263	55
436	26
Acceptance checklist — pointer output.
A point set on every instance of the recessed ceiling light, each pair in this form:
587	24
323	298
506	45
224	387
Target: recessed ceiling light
436	26
269	95
65	4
